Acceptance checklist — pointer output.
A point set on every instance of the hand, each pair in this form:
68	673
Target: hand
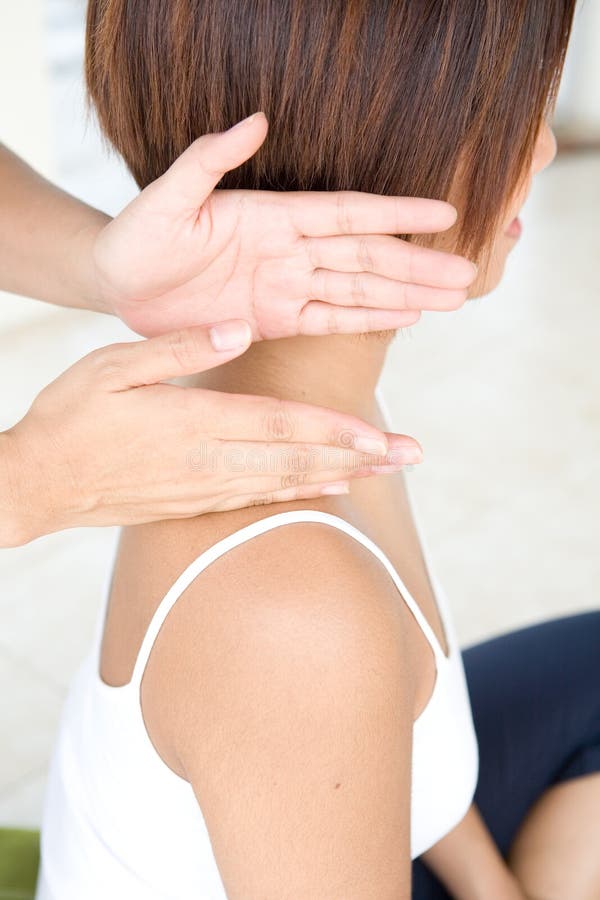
110	443
185	254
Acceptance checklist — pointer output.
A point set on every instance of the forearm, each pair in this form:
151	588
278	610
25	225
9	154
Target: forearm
470	865
46	239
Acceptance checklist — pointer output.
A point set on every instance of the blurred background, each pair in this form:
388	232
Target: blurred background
504	395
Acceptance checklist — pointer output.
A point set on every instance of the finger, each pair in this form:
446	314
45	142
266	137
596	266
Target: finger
306	472
324	318
363	289
283	468
308	465
182	352
320	213
287	495
195	174
348	468
275	466
392	258
289	422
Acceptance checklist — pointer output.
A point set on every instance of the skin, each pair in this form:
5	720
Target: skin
83	474
308	830
555	853
208	253
181	256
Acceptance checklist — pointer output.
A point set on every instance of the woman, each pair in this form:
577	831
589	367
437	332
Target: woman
276	705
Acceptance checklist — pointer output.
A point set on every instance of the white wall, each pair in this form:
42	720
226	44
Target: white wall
24	109
43	117
24	114
579	106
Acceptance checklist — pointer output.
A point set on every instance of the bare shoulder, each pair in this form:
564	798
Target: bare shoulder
279	687
297	592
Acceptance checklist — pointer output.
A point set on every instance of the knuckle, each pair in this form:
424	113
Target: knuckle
183	347
364	256
343	217
261	500
107	363
278	422
202	151
357	290
302	459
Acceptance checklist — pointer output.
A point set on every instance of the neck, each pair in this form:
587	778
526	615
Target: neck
338	371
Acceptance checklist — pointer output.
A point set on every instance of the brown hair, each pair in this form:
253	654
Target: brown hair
387	96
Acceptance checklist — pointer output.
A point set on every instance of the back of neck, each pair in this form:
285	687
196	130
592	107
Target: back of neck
338	371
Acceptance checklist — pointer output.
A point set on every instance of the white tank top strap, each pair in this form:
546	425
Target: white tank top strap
247	533
383	408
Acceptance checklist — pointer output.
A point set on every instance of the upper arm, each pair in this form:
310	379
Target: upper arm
291	713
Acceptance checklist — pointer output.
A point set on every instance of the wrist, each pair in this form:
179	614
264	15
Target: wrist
90	285
12	530
22	514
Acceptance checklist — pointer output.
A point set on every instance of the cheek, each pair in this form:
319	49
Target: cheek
519	201
492	268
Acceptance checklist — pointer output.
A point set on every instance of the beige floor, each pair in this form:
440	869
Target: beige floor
505	397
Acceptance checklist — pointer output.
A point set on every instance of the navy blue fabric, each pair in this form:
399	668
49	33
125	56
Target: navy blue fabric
535	695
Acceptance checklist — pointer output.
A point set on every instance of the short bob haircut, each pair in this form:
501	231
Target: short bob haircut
387	96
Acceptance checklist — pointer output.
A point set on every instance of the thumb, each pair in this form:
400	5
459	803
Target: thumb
182	352
195	174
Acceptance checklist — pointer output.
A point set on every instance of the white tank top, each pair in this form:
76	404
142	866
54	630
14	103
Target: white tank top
120	823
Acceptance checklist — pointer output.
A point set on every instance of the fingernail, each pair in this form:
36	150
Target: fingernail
404	456
370	445
230	336
398	460
246	121
336	487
